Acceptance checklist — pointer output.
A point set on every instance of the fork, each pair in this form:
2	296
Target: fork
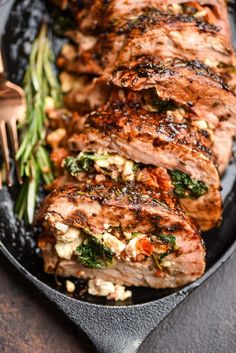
12	110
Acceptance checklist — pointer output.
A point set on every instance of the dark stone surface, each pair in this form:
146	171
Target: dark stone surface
204	323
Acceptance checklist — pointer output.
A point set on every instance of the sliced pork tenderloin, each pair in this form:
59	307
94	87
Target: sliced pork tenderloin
152	140
132	229
184	82
95	15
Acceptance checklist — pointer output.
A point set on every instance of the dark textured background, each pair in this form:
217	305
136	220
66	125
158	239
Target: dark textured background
204	323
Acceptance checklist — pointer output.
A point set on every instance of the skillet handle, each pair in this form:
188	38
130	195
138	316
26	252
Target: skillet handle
116	329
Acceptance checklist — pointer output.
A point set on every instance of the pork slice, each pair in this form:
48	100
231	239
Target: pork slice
152	33
184	37
92	206
188	267
96	15
99	58
223	144
183	82
130	207
148	138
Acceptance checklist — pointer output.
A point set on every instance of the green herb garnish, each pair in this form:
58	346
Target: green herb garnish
167	239
170	241
94	254
84	162
185	187
135	234
39	83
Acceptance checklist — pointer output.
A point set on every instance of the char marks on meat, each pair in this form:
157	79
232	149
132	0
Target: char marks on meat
153	86
132	207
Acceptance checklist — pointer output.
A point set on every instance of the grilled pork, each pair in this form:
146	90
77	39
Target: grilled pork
120	134
96	15
183	82
121	233
151	33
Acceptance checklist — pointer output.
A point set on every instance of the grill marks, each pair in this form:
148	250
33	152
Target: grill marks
99	15
157	33
154	140
188	53
131	208
160	92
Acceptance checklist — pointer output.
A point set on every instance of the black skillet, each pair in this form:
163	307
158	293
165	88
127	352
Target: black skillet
112	328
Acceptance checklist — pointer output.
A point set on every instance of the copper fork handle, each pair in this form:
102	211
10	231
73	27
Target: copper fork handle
1	60
1	64
2	69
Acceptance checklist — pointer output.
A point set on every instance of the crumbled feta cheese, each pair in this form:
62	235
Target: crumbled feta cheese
201	124
86	42
66	250
99	287
176	9
120	293
131	248
70	286
117	160
200	14
107	289
111	160
211	62
102	163
128	171
127	235
71	235
106	226
61	227
166	263
116	245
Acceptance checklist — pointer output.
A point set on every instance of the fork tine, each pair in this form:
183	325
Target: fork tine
15	146
5	151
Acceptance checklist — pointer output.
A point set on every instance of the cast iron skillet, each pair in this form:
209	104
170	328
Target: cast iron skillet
112	328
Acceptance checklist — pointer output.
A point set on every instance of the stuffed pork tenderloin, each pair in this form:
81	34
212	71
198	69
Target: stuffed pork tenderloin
184	82
176	40
122	141
95	16
151	32
120	233
161	33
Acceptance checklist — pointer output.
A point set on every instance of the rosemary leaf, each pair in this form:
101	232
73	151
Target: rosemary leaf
39	82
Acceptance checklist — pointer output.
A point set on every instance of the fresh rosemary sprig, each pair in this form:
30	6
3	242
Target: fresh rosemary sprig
39	83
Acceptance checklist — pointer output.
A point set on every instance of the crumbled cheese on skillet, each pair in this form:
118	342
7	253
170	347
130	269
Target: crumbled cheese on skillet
70	286
107	289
